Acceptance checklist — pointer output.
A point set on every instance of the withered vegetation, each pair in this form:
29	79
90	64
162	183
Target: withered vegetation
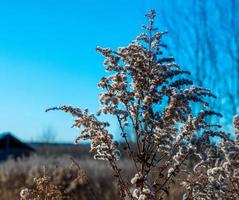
169	116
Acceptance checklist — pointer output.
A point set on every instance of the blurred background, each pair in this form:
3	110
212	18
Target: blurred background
48	58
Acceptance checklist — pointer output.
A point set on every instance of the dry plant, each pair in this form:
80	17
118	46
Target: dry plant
26	177
217	175
44	189
151	93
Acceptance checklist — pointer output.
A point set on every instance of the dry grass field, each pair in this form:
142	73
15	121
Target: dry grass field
55	161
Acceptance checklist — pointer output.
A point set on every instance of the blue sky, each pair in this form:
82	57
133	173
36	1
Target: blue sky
48	58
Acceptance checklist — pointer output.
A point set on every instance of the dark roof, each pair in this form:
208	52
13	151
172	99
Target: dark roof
7	141
5	134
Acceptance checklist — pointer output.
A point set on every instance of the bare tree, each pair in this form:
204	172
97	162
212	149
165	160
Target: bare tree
210	43
48	135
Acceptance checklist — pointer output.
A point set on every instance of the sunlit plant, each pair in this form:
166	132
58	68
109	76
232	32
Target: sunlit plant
151	93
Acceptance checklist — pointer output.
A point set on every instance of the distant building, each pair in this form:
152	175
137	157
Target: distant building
10	146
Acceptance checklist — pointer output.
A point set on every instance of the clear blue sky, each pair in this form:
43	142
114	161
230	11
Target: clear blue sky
48	58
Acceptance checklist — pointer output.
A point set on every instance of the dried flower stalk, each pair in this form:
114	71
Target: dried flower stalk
151	93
